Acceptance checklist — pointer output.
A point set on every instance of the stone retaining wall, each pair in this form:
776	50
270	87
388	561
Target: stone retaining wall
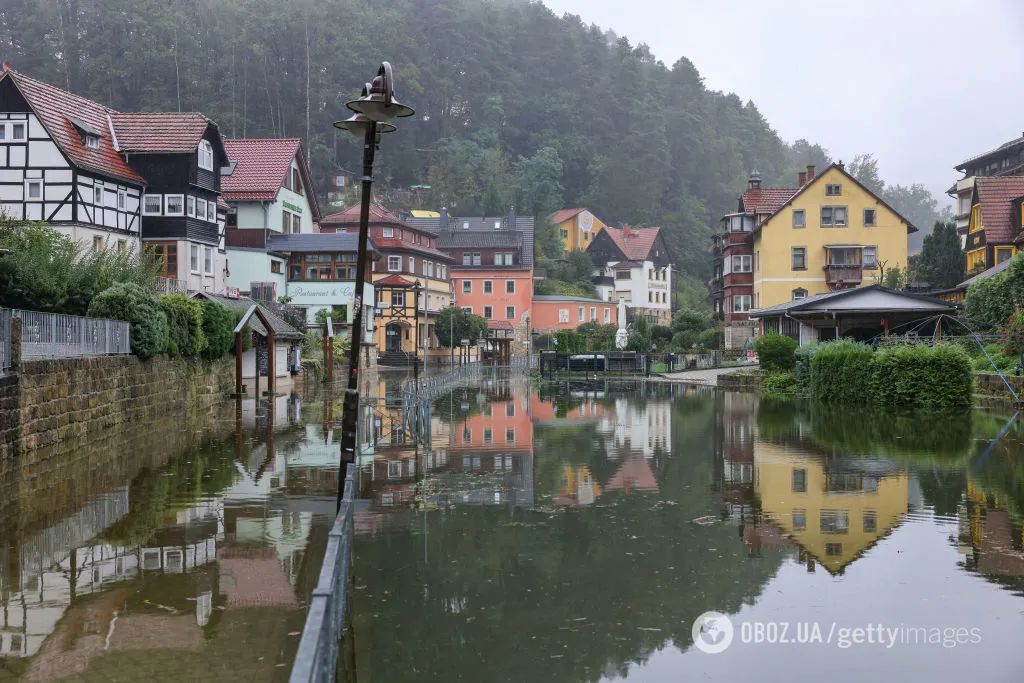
991	384
737	382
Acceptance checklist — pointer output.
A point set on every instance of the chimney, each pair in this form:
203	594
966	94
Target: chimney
442	222
801	178
810	173
841	165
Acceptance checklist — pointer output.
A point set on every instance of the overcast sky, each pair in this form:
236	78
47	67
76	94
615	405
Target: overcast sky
922	84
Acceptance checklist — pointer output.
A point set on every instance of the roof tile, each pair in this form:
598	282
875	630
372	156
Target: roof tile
563	215
766	200
996	195
634	243
161	132
260	167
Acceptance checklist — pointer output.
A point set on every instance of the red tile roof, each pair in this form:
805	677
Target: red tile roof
995	195
634	243
350	216
394	281
766	200
500	325
52	105
260	167
157	133
635	472
562	215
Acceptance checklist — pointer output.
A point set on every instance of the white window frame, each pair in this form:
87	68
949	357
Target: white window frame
476	258
593	314
792	254
467	286
388	232
510	286
742	263
394	264
97	194
510	308
582	314
92	141
7	131
488	286
193	259
802	293
211	211
28	193
160	202
488	312
874	218
167	204
205	152
607	316
208	260
200	209
412	264
122	198
833	186
874	256
738	301
832	222
799	218
468	309
190	206
563	315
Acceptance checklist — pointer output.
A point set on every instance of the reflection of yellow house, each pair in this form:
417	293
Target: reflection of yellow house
577	227
833	516
577	486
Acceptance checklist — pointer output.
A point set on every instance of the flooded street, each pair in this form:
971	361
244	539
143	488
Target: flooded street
576	532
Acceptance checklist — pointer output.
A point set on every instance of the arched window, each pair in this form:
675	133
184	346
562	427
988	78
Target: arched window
206	155
799	293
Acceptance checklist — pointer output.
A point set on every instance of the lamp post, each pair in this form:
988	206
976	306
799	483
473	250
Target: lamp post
451	331
416	289
373	110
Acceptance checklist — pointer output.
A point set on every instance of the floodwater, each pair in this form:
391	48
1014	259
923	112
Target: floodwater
575	533
186	553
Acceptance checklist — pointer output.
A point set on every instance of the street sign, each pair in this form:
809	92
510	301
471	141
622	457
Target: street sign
465	342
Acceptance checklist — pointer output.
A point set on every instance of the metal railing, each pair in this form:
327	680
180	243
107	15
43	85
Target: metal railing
49	335
5	341
167	286
317	658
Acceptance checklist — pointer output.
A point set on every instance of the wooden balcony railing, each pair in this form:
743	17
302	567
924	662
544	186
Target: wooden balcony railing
246	239
850	274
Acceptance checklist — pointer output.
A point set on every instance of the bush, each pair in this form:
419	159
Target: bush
802	364
918	376
218	328
782	384
841	372
775	352
137	306
568	341
185	325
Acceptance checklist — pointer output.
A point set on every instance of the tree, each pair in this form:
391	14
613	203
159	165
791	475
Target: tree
454	324
639	338
942	262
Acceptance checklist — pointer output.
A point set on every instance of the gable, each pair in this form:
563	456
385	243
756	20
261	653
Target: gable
603	248
873	298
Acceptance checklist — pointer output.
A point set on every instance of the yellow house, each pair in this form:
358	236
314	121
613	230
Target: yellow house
577	227
833	516
995	221
577	486
831	234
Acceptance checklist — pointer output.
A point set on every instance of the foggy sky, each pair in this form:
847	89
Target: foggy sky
922	84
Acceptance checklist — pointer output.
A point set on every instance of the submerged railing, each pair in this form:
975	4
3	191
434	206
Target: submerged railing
317	657
51	335
5	341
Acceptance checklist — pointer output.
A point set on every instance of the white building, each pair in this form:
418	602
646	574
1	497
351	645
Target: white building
634	265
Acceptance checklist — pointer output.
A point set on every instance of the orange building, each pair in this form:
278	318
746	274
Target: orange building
553	312
576	227
502	427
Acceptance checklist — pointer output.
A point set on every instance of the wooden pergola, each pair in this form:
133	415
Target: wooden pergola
271	352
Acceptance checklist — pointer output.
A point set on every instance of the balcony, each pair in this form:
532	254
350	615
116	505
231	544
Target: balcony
167	286
847	274
245	239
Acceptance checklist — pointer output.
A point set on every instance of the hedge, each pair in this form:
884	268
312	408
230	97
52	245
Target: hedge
185	325
899	376
218	328
137	306
775	352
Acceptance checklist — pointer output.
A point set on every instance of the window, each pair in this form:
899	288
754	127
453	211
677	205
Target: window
870	521
194	258
488	435
488	286
275	266
510	313
389	232
12	131
833	190
582	314
833	549
870	257
97	243
466	259
206	155
412	264
593	313
833	216
510	435
563	315
208	261
122	198
799	258
565	233
870	216
152	204
166	254
849	256
296	181
296	221
510	286
122	246
799	218
200	209
741	264
488	312
799	480
741	303
1002	254
430	269
394	264
799	293
174	205
286	222
510	409
623	275
190	206
799	520
92	141
467	286
33	189
467	309
835	521
607	315
97	195
467	436
476	259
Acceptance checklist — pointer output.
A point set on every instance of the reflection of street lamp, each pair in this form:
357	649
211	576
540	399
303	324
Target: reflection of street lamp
373	110
416	290
451	330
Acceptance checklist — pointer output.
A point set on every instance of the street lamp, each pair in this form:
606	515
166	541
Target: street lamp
373	110
417	289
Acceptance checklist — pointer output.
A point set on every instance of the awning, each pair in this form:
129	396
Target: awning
846	246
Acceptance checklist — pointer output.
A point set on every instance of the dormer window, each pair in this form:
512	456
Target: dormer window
90	135
92	141
206	155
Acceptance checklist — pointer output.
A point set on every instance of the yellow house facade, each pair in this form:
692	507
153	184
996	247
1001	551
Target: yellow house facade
832	516
832	234
577	227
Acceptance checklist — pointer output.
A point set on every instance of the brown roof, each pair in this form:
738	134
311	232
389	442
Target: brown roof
995	195
157	133
562	215
766	200
634	243
53	105
260	168
378	214
394	281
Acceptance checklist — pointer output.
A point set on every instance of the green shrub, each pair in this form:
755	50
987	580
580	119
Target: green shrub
218	328
918	376
185	325
782	384
137	306
775	352
802	363
568	341
841	372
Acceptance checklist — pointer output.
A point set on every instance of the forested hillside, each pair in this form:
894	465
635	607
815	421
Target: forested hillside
515	106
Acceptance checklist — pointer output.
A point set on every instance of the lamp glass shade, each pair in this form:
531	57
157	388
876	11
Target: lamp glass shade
375	107
359	124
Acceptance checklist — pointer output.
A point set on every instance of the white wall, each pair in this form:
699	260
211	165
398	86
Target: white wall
252	265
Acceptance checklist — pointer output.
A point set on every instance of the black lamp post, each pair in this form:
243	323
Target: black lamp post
373	110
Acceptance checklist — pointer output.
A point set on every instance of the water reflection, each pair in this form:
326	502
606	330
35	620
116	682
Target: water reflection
200	558
647	505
